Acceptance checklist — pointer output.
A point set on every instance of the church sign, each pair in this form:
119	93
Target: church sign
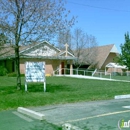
35	72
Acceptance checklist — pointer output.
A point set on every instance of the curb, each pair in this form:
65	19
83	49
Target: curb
31	113
122	96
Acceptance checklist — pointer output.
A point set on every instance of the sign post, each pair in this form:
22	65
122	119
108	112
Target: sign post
35	72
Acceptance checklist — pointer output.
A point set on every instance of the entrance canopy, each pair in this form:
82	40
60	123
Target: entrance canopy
115	65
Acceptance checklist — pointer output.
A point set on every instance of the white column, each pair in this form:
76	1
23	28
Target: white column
60	69
71	68
66	49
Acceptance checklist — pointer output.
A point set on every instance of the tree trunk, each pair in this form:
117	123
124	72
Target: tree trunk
17	63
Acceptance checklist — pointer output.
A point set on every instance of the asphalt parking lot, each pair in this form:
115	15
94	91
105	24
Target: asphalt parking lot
94	115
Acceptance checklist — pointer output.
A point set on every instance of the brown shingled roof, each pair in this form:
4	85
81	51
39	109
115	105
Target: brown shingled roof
103	52
100	54
8	51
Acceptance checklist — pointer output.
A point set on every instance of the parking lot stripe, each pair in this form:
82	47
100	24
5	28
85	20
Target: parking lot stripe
96	116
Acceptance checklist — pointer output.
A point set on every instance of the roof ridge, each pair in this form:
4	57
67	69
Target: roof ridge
106	45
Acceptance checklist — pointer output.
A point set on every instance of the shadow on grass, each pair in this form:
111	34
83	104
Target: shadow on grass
8	90
36	88
49	88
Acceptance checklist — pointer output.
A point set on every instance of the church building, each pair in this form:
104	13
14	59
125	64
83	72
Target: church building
55	59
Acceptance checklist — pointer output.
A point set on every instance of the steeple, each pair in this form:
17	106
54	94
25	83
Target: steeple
66	49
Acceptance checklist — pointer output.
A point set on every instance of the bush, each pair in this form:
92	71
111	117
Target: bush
3	71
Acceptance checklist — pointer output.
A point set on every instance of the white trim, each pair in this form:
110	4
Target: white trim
115	65
29	48
67	52
114	49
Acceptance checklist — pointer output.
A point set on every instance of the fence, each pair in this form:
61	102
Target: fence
66	71
75	71
94	73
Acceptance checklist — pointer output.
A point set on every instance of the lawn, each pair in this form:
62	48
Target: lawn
59	90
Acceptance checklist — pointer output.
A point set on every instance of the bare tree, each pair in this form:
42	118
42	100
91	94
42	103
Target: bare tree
26	21
85	48
3	39
64	37
82	45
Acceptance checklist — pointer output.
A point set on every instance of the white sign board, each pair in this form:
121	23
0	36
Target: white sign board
35	72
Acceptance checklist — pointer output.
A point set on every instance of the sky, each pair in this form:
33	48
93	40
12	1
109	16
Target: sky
107	20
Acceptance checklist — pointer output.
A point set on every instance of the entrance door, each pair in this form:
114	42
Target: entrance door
62	67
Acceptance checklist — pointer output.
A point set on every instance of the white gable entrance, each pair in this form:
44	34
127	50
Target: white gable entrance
43	49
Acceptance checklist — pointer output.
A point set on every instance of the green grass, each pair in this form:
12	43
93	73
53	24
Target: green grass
59	90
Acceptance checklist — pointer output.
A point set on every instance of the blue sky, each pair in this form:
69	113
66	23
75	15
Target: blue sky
107	20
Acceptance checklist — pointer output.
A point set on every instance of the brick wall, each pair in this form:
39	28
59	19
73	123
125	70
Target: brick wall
50	66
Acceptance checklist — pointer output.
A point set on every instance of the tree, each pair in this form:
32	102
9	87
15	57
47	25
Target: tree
82	45
3	39
64	37
124	57
84	48
27	21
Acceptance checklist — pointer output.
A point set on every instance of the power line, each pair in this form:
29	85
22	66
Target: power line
99	7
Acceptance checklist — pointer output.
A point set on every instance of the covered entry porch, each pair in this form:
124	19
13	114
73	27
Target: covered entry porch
65	67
